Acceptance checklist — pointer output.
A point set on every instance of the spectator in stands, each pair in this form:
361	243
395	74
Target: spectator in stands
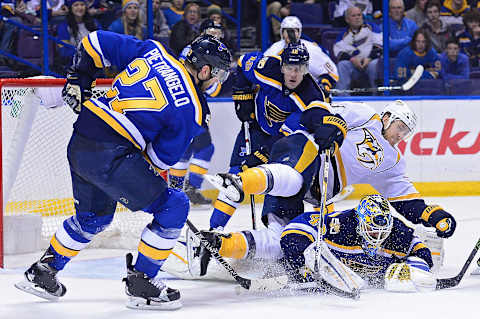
280	10
341	7
401	28
357	50
103	11
160	26
214	12
436	29
455	65
187	29
420	52
417	13
78	24
174	13
452	10
130	22
470	38
56	9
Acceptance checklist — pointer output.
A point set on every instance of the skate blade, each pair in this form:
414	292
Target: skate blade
30	288
143	304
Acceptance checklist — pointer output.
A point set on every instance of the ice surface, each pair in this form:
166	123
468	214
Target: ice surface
95	290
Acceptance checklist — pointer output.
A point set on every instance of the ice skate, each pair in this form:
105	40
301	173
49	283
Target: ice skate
41	279
231	184
148	293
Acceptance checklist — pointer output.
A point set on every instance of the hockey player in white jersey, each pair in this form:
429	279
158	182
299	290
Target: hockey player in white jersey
368	155
321	67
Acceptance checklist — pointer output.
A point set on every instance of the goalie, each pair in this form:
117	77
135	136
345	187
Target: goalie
378	247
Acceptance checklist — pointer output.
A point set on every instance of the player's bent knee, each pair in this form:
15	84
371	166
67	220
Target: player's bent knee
170	210
286	180
90	222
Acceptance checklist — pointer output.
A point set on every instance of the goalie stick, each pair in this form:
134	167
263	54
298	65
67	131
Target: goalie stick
417	74
454	281
262	284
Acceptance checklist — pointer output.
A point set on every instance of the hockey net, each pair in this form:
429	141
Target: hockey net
36	180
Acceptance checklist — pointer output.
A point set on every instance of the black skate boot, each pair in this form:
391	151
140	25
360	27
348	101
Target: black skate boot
198	256
196	198
231	184
41	279
148	293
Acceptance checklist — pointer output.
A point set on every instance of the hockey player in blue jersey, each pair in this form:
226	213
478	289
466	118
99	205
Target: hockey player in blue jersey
378	247
268	90
120	142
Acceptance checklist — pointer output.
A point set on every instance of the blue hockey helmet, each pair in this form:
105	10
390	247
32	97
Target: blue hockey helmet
207	50
375	222
295	53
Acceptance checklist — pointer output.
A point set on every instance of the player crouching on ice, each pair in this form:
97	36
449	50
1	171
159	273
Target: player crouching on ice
376	246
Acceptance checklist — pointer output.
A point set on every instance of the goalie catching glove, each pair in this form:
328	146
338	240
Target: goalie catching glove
74	93
411	276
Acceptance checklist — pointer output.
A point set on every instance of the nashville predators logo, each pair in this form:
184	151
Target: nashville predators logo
370	152
273	113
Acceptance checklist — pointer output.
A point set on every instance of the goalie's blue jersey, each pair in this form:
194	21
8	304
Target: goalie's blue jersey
274	101
153	102
340	235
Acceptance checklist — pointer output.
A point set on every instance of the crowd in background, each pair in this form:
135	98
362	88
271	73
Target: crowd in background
442	35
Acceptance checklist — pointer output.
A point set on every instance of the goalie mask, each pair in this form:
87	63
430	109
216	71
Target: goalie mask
374	222
399	110
207	50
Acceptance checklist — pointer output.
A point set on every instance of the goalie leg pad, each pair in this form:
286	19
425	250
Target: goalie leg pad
429	237
333	270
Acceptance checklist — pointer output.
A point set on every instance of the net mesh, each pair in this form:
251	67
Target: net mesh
35	170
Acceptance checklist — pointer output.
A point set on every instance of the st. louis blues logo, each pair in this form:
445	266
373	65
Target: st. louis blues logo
370	152
273	113
222	47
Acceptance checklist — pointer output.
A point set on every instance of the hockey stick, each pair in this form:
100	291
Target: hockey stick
454	281
248	146
322	284
262	284
417	74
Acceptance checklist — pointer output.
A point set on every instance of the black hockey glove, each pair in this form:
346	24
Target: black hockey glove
244	100
443	222
75	92
331	133
258	157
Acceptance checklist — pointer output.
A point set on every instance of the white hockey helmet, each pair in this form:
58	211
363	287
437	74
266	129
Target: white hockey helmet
291	22
399	110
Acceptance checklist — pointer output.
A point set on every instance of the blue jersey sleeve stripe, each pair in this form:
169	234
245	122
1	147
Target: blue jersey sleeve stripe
264	79
119	125
186	79
92	51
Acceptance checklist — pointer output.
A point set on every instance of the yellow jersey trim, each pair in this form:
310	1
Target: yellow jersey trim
97	59
297	231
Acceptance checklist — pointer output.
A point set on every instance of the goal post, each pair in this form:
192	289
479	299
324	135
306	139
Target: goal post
36	192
